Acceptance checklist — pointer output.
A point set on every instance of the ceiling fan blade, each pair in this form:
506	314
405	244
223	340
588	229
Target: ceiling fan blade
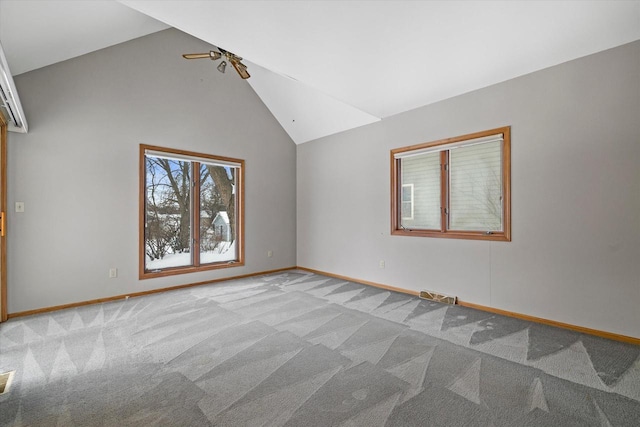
195	55
212	54
240	68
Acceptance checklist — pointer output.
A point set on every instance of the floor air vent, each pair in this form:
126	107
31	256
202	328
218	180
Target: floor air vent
434	296
5	381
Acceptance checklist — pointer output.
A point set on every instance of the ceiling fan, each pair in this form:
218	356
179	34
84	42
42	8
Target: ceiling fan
231	57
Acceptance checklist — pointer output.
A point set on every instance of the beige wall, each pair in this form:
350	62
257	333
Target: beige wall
575	254
77	168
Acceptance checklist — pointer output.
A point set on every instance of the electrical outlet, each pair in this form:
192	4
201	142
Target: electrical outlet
381	264
113	273
269	254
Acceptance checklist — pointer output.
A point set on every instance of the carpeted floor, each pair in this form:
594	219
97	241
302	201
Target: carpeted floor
300	349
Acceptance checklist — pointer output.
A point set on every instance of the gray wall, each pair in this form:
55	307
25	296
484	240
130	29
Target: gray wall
77	169
575	254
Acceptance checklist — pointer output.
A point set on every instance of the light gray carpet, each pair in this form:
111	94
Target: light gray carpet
300	349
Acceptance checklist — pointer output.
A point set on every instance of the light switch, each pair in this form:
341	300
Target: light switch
19	206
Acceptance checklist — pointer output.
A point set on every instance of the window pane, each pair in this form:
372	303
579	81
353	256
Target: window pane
407	192
407	201
475	199
217	214
168	213
423	172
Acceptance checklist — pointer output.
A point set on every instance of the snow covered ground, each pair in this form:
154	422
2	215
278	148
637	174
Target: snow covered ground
225	252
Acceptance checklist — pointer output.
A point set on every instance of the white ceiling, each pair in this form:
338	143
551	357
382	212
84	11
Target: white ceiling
35	34
323	67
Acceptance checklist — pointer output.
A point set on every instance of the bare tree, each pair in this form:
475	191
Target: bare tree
169	210
157	234
224	186
177	173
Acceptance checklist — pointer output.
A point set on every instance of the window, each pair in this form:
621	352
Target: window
191	212
407	201
458	187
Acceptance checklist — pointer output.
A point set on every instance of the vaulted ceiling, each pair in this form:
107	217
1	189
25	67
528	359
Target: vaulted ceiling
323	67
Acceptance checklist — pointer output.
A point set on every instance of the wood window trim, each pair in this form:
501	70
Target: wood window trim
396	180
171	271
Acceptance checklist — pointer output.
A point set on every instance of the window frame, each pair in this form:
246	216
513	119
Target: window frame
195	213
444	232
